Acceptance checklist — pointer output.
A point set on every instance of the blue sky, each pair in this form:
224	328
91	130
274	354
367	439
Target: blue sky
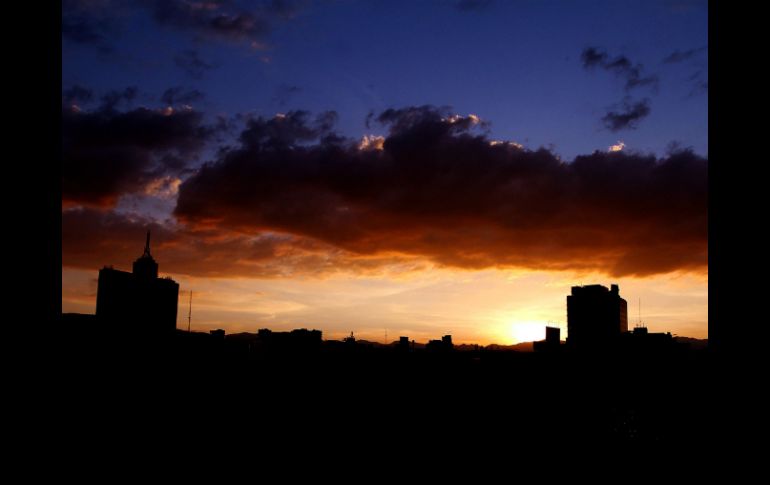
516	64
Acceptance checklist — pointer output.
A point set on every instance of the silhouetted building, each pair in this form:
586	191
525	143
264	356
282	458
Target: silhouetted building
641	340
445	344
596	315
447	339
552	335
552	340
304	335
297	340
218	334
434	345
350	340
403	344
139	299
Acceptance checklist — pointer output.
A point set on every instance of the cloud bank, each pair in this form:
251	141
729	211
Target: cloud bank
438	190
293	197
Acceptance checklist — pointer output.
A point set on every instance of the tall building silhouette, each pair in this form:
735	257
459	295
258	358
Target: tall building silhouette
595	315
138	299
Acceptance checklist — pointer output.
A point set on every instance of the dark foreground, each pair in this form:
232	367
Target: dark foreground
179	389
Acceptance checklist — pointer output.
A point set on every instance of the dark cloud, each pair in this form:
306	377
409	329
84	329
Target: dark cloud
190	62
97	23
437	191
679	56
177	95
210	19
76	94
628	117
81	31
472	5
622	67
593	57
86	23
224	20
112	99
286	130
106	153
427	120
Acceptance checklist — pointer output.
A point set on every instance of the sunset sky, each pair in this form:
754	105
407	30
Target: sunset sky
390	168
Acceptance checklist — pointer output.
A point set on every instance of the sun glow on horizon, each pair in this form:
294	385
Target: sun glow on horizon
527	331
475	307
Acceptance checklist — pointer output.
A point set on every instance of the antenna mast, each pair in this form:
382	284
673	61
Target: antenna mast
147	244
189	313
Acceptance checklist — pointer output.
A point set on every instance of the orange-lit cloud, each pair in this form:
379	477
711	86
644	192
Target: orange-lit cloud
296	199
437	192
164	187
371	142
92	239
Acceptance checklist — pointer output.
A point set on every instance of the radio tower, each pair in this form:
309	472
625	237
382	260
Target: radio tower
189	313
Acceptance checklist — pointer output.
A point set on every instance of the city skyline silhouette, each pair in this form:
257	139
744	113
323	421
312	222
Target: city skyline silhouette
621	375
144	302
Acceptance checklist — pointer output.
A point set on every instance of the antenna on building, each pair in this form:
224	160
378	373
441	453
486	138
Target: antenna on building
147	244
189	313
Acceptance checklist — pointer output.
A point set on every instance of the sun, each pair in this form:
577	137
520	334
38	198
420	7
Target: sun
527	331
